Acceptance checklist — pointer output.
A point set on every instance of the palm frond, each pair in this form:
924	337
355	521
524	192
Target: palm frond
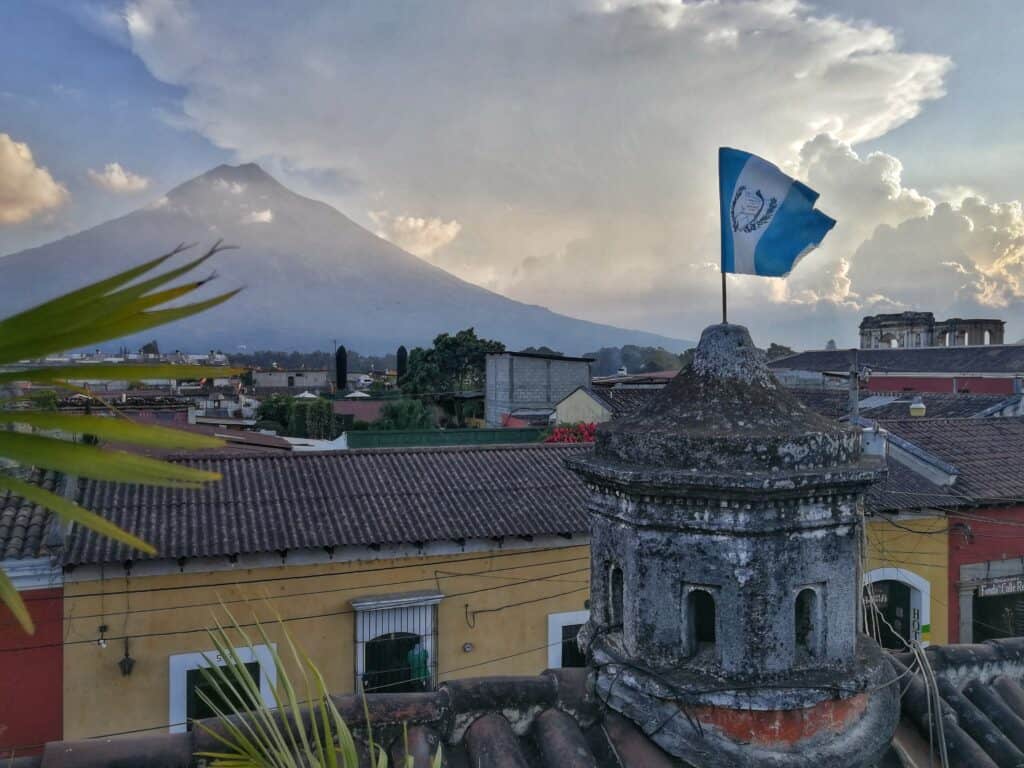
126	303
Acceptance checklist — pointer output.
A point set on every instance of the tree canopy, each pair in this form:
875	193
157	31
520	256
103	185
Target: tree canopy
455	363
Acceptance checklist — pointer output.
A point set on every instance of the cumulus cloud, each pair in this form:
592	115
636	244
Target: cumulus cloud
258	217
116	178
960	258
574	142
419	236
26	190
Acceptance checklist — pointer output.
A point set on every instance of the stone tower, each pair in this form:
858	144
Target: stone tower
725	541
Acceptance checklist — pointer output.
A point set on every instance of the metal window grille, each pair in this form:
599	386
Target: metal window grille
396	642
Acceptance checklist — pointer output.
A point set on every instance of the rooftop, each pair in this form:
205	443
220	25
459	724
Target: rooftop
550	721
24	525
1002	358
270	502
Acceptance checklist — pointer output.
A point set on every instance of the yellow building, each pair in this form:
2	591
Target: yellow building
907	570
472	561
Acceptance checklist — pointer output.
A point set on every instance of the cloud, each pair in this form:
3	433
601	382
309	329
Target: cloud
116	178
258	217
574	142
419	236
26	190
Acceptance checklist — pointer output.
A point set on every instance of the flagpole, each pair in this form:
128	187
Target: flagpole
725	318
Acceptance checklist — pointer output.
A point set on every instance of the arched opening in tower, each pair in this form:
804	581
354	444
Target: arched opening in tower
701	613
806	623
615	588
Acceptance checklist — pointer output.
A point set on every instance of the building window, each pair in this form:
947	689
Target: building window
807	622
563	651
700	621
186	680
615	597
396	642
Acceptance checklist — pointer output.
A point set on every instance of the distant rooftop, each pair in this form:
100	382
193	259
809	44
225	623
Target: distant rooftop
983	359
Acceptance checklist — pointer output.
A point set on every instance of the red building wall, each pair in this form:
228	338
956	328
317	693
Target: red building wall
31	680
986	541
975	384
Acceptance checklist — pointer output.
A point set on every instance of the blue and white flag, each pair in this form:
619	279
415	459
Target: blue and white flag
768	219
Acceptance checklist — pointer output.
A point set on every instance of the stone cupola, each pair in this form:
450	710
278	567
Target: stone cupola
725	546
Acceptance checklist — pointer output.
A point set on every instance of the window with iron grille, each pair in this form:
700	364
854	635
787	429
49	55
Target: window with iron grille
396	642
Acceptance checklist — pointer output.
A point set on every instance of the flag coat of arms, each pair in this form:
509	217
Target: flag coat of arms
769	221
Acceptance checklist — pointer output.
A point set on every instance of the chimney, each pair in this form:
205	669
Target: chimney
917	407
725	581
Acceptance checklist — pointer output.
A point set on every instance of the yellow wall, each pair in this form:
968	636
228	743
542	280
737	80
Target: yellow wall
918	544
99	700
579	407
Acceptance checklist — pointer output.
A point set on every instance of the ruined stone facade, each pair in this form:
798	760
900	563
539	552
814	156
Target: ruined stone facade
921	329
725	570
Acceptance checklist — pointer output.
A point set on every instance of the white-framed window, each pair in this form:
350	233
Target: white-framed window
396	641
562	630
186	679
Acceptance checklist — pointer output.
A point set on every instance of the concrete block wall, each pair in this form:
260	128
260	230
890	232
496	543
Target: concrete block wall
520	381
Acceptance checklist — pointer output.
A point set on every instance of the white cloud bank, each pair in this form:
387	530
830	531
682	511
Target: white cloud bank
571	146
258	217
417	235
26	190
116	178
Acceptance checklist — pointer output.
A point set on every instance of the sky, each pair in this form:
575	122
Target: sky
561	152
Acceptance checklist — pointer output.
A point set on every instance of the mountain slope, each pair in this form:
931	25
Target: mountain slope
311	275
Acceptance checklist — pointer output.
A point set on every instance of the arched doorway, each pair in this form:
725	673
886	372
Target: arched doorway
903	599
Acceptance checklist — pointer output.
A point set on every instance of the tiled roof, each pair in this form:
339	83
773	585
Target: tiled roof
986	453
1002	358
550	721
982	699
622	401
269	502
23	525
835	403
939	405
904	490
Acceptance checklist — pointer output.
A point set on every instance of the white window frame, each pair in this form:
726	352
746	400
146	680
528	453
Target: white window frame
555	623
920	596
182	663
402	616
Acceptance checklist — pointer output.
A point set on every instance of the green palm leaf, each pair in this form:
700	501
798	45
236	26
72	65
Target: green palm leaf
117	372
113	429
117	306
98	463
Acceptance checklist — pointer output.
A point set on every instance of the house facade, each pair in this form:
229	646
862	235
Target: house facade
457	561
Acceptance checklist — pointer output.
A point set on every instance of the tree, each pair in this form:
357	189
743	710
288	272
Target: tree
637	359
275	408
341	368
130	302
777	351
453	364
320	420
542	350
298	420
830	345
406	413
402	363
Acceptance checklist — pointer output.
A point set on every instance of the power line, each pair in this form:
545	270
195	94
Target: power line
342	612
447	560
436	576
